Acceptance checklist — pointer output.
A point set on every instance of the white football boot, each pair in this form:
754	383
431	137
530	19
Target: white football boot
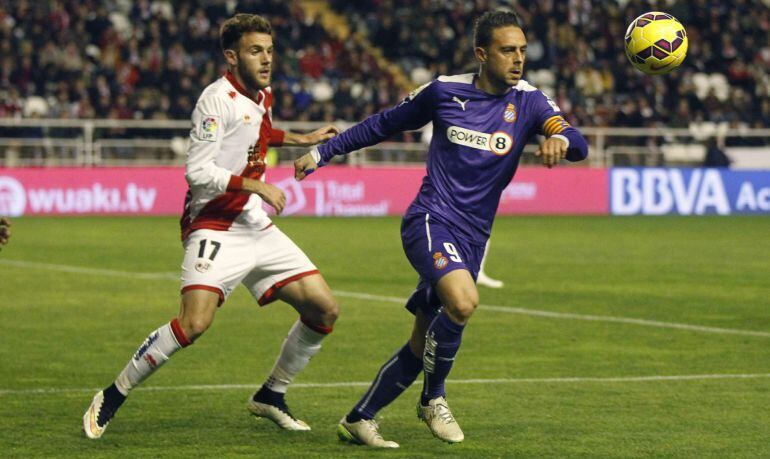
486	281
284	419
440	420
363	432
91	424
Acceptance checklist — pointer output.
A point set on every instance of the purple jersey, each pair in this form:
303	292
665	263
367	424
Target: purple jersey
477	141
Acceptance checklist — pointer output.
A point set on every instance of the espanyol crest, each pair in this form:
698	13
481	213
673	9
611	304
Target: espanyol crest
439	260
509	115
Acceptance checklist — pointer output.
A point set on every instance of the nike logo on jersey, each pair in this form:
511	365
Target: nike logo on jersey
461	102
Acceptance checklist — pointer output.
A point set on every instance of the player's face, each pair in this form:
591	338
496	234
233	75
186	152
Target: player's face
503	59
254	60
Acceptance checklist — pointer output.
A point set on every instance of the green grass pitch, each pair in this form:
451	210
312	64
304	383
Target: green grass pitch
631	297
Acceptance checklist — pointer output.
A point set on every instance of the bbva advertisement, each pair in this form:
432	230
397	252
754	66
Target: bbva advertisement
662	191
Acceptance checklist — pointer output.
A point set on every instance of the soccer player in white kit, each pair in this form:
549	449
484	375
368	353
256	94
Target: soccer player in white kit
227	236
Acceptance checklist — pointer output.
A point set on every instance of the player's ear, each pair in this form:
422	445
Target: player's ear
231	56
481	54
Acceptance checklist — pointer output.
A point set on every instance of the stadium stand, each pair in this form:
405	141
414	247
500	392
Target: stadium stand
149	59
576	53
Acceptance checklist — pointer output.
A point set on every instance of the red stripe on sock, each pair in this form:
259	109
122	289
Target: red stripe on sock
181	338
316	328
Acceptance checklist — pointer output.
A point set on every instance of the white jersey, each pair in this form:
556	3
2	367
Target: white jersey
231	130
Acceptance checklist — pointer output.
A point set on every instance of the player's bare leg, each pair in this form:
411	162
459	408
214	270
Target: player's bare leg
318	311
195	316
393	378
459	296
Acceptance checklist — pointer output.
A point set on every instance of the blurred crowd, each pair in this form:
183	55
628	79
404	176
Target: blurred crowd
149	59
575	53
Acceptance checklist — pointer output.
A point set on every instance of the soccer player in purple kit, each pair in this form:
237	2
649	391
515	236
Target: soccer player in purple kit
481	123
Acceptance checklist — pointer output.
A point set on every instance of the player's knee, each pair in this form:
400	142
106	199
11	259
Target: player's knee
329	310
195	325
197	314
462	309
320	310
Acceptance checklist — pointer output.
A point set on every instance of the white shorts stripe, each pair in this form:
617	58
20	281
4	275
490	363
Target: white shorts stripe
427	231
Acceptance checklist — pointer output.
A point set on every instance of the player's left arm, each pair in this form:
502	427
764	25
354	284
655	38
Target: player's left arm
279	137
412	113
562	140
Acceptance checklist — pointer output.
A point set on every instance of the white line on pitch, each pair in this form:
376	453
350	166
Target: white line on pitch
567	315
567	380
393	299
94	271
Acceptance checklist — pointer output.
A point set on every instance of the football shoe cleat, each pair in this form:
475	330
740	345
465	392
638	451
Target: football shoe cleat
363	432
279	415
439	419
97	417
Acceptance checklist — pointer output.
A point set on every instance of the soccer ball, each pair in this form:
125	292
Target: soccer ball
656	43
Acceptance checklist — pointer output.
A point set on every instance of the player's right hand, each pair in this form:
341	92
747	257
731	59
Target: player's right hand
304	166
552	151
273	196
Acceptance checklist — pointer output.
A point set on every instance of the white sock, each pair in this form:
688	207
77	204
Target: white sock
301	344
484	258
151	355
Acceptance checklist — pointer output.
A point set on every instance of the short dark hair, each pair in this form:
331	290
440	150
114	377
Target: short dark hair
488	22
235	27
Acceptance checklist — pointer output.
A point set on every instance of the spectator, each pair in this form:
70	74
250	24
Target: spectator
715	157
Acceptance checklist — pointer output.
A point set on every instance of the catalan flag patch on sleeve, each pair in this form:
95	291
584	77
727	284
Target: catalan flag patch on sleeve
554	125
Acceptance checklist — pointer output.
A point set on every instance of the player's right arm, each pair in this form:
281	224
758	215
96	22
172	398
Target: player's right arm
412	113
563	141
271	194
209	120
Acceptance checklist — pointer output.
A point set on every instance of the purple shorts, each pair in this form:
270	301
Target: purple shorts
434	250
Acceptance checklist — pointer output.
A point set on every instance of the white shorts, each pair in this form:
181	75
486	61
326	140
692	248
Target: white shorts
262	260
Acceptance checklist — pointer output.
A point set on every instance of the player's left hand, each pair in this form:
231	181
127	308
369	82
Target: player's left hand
304	166
552	151
320	135
5	230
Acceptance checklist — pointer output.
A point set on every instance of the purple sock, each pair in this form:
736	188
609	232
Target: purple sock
394	377
441	344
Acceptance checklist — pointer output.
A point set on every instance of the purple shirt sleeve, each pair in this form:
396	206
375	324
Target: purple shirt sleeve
578	147
551	122
413	113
